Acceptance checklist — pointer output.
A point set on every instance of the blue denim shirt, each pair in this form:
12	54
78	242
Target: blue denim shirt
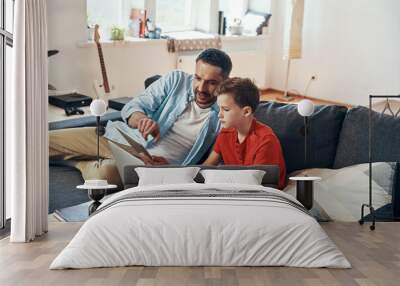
164	101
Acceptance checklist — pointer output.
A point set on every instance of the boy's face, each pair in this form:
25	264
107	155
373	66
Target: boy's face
230	114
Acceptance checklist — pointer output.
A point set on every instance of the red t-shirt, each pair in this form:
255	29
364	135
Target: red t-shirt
260	147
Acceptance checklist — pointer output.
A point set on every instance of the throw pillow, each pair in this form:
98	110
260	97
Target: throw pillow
163	176
248	177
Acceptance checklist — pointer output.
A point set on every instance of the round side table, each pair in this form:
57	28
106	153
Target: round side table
305	190
95	193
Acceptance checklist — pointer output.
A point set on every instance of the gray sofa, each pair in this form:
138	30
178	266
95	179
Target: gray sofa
338	138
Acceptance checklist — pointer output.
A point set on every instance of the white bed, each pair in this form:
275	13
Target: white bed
261	228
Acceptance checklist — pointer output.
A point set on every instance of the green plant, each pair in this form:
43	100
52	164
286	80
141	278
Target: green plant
117	33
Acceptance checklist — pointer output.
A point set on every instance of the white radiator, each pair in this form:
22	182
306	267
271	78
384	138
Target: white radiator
251	64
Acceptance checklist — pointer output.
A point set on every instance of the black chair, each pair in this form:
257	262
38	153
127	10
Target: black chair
148	81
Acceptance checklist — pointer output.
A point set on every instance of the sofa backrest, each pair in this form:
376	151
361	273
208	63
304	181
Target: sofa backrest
354	141
325	126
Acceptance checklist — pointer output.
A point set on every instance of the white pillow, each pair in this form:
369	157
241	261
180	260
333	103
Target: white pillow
166	176
248	177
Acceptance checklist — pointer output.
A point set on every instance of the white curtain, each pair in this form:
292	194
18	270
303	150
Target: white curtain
26	123
293	37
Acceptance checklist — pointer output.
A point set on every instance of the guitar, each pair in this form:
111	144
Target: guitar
105	90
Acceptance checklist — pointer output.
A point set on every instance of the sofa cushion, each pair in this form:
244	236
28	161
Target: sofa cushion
325	125
353	141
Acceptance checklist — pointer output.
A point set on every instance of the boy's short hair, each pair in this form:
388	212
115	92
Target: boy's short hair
216	58
243	91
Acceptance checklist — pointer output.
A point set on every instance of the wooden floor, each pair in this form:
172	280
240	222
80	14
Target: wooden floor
378	105
276	95
375	257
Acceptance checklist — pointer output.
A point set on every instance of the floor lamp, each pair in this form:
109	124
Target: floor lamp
97	188
306	108
286	97
98	108
304	184
293	39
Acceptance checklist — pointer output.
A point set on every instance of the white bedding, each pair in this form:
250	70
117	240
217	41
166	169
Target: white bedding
223	231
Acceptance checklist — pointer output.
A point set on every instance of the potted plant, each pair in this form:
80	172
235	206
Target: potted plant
117	33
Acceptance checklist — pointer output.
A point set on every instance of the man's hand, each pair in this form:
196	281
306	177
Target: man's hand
147	126
146	159
153	160
157	160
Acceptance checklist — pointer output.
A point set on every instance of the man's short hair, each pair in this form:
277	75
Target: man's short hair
216	58
243	91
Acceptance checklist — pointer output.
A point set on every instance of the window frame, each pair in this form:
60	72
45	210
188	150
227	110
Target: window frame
6	39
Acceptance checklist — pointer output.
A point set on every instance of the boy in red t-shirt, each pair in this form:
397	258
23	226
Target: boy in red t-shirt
243	140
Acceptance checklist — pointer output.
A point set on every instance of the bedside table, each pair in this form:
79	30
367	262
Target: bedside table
305	190
95	193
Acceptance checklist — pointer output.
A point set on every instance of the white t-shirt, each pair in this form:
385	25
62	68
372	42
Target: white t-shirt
178	141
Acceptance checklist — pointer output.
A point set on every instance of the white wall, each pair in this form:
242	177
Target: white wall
76	67
351	45
128	65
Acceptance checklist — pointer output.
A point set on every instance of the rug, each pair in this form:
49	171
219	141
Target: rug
78	213
384	214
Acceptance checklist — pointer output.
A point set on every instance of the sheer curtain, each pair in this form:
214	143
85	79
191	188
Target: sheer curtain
26	124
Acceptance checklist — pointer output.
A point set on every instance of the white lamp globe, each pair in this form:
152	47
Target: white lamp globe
305	107
98	107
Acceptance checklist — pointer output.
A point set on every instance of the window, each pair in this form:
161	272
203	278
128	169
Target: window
260	6
108	13
169	15
233	9
127	5
6	42
173	16
250	12
238	8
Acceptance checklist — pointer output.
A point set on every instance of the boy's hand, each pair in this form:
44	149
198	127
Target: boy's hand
213	159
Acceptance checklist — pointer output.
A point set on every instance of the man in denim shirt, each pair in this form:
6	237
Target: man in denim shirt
179	111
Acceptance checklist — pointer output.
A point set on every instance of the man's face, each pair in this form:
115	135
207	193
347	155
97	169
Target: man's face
206	79
230	114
